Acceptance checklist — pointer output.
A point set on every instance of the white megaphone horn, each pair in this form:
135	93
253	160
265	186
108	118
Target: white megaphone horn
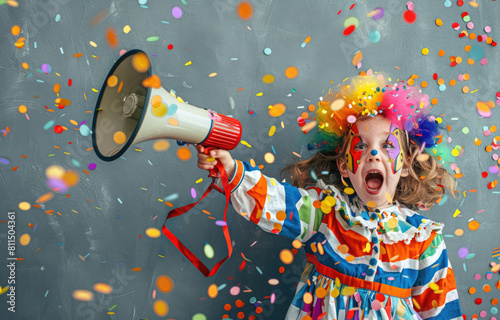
128	113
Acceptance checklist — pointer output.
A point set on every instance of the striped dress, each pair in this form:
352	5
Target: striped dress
361	264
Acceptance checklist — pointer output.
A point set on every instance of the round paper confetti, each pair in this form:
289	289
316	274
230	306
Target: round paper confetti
379	13
291	72
83	295
244	10
235	291
103	288
25	239
119	137
286	256
160	307
409	16
153	233
463	252
351	119
164	283
374	36
22	109
161	145
213	291
25	206
277	110
209	251
268	78
140	62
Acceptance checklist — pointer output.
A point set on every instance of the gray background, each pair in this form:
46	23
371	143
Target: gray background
211	35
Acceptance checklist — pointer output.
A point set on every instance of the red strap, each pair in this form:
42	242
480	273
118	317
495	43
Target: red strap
181	210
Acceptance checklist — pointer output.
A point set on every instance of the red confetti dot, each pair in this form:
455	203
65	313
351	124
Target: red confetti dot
435	76
170	46
61	106
349	30
454	63
58	129
484	174
478	301
460	3
70	82
464	14
409	16
455	25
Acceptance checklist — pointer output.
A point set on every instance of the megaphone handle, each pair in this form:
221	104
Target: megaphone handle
214	172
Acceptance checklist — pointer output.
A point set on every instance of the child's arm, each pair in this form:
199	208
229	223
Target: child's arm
275	207
434	294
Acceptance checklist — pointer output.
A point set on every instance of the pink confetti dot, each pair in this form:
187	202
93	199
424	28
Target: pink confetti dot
486	132
453	166
470	25
235	291
122	52
495	156
273	298
482	314
489	276
477	276
460	77
351	119
484	61
193	193
177	12
487	29
410	5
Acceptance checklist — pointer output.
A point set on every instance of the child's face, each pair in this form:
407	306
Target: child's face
374	160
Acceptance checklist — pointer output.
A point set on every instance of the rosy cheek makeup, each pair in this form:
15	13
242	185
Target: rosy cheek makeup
396	153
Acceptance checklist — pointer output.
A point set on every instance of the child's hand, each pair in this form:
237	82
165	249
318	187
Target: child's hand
207	162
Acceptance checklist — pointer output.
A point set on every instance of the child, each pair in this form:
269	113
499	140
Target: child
369	254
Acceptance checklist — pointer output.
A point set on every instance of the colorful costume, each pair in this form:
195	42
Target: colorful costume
383	264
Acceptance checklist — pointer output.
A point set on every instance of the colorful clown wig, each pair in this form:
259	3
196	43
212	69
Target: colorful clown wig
369	94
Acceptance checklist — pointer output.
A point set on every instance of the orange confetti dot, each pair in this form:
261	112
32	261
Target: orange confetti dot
423	84
286	256
472	290
308	298
268	78
473	225
244	10
213	291
22	109
15	30
78	55
470	61
112	38
466	76
311	108
241	315
56	88
152	82
164	283
440	81
112	81
291	72
64	102
441	53
45	198
304	115
25	65
184	153
227	307
239	303
103	288
465	89
119	137
486	288
453	82
277	110
136	269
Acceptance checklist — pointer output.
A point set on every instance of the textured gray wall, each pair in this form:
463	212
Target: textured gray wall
105	218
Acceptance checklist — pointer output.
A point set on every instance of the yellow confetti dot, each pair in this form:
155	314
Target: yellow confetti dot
83	295
268	78
25	239
459	232
455	152
160	307
127	29
425	51
308	298
153	233
119	137
459	60
140	62
330	201
297	244
272	130
371	204
22	109
286	256
173	122
25	206
161	145
245	143
349	190
103	288
93	44
439	23
347	291
269	157
160	110
335	293
392	223
433	286
188	63
25	65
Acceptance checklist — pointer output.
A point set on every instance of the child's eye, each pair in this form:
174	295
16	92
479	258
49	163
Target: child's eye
388	144
360	146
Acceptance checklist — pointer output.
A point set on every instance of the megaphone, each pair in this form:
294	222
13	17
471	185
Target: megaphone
132	108
128	112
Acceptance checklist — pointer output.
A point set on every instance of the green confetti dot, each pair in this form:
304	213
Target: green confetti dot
199	316
465	130
152	39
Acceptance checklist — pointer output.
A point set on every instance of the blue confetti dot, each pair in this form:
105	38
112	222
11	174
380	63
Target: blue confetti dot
58	17
374	152
370	272
143	2
267	51
374	36
442	87
373	262
253	300
476	53
447	3
84	130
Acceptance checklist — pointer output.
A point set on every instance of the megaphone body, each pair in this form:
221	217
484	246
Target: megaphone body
128	113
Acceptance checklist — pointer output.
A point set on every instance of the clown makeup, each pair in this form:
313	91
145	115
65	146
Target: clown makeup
374	159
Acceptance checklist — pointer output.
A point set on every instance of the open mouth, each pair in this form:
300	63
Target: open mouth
373	181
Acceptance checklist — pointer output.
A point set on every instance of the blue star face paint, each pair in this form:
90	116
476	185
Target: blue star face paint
395	153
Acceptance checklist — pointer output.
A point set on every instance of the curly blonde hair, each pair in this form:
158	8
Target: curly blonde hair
425	185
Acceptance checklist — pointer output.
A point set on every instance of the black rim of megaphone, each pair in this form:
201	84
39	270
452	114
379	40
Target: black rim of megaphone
98	103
